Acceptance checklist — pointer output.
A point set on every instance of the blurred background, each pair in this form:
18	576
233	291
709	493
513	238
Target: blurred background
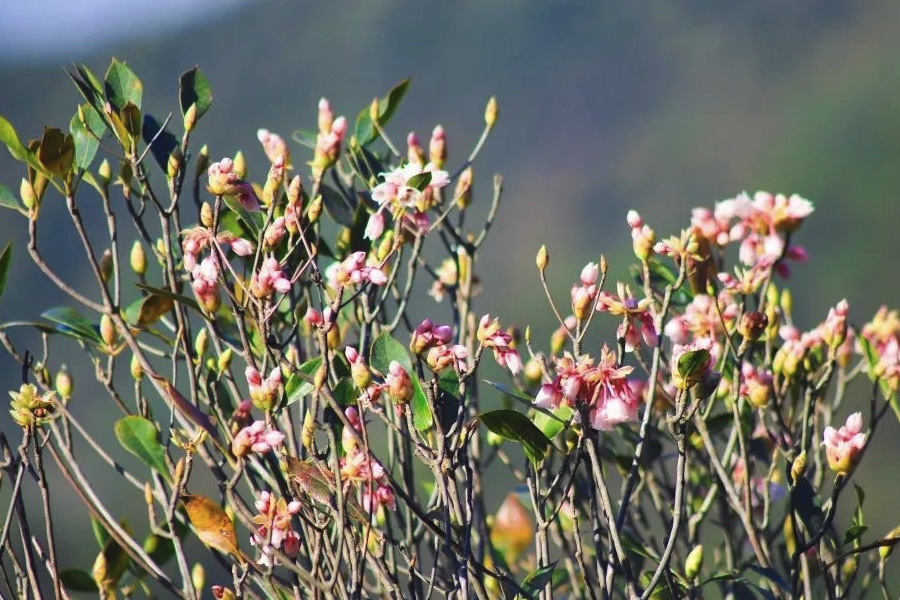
656	106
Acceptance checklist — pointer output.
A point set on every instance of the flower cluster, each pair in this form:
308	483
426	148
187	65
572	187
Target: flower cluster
353	270
329	139
265	393
256	438
395	195
274	529
637	322
223	180
843	446
601	389
269	279
358	467
501	342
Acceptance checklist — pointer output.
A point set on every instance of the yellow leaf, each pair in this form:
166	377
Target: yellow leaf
212	525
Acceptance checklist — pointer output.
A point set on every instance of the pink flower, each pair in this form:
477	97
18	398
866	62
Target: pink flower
398	382
326	117
490	334
589	274
445	356
275	232
844	446
834	329
223	181
414	152
265	393
273	145
353	271
269	279
437	146
375	226
428	335
256	438
205	283
275	516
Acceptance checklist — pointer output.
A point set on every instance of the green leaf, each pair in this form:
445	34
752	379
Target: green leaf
9	137
76	580
164	142
419	182
193	88
691	362
807	504
535	582
9	200
549	422
100	534
421	412
853	533
70	322
550	426
386	349
516	427
86	144
337	206
296	386
345	392
122	86
772	576
5	261
56	152
165	293
140	437
254	221
91	90
364	130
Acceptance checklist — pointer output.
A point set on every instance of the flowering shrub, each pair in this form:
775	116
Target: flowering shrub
702	451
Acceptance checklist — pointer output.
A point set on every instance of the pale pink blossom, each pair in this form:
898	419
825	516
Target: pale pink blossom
269	279
256	438
264	393
844	446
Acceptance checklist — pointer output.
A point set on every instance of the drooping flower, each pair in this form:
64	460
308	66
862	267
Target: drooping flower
501	342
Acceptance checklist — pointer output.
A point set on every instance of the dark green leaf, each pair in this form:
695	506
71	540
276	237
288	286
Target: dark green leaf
161	549
421	412
536	580
122	86
71	323
512	393
419	182
297	386
140	437
76	580
772	576
386	349
853	533
807	504
163	292
8	136
516	427
89	87
5	261
691	362
193	88
447	401
164	143
345	392
56	152
364	130
337	206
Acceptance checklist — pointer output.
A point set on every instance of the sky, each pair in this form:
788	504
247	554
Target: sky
60	29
